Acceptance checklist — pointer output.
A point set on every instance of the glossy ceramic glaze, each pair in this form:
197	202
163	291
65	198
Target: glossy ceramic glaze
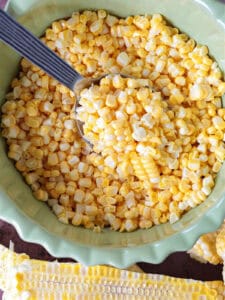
202	20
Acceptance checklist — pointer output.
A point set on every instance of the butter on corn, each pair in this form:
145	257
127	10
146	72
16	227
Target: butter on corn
25	278
38	122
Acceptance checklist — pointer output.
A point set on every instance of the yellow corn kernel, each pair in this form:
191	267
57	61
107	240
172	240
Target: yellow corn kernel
91	210
89	198
33	164
45	82
74	175
37	153
111	101
20	165
110	190
14	155
216	167
54	173
32	109
12	132
8	120
41	195
64	167
33	122
50	185
53	159
132	213
194	164
60	188
63	219
220	155
131	108
61	156
77	219
31	177
70	190
221	88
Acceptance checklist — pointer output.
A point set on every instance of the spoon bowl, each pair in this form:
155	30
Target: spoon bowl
86	83
29	46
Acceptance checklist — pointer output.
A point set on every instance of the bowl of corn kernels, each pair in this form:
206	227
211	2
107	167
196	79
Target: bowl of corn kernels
153	180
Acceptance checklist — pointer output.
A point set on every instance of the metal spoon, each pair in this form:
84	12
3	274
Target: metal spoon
24	42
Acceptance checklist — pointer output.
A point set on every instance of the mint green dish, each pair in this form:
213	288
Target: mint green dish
203	20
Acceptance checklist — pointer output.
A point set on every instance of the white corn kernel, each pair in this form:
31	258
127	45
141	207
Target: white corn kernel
139	134
82	167
206	190
85	182
79	196
69	124
58	209
123	59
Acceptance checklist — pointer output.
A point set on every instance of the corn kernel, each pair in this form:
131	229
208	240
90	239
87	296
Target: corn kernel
64	167
216	167
96	26
130	225
79	196
82	167
91	210
58	209
60	188
41	195
85	182
194	164
111	101
123	59
218	122
8	120
52	159
77	219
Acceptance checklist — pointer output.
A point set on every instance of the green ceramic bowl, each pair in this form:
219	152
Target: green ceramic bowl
204	20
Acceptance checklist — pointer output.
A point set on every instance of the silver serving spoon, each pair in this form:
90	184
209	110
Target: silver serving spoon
24	42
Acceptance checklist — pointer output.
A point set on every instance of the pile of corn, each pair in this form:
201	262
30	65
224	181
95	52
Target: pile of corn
138	133
23	278
82	187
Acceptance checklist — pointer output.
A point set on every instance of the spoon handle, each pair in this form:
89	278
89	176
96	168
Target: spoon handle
24	42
